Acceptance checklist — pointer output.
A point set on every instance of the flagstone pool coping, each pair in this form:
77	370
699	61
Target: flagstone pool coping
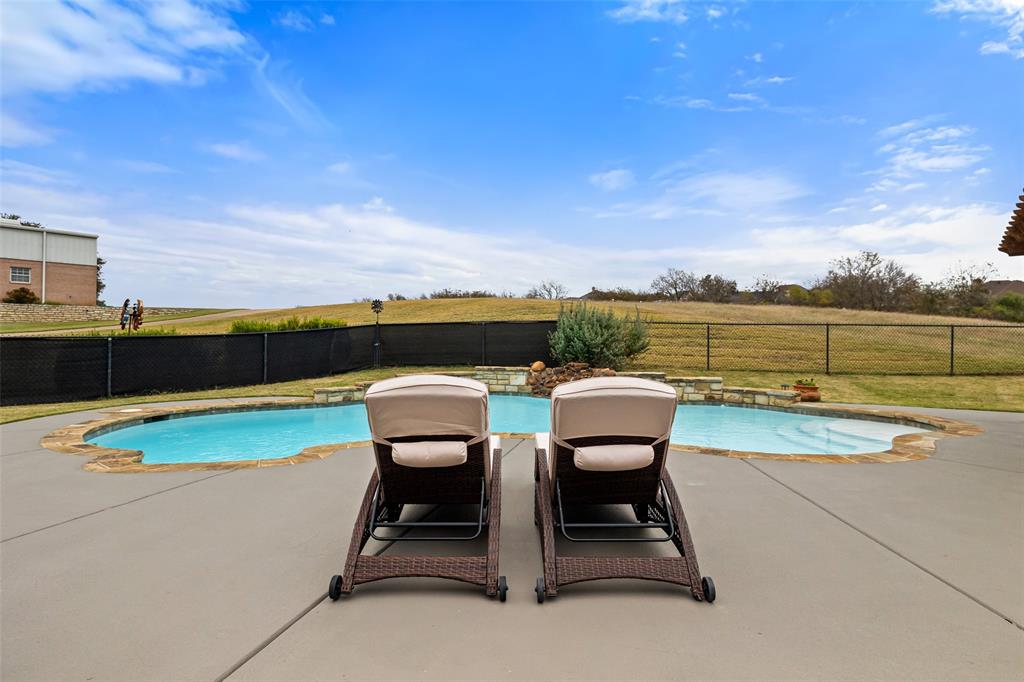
72	439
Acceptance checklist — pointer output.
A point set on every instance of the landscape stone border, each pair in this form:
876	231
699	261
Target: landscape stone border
71	439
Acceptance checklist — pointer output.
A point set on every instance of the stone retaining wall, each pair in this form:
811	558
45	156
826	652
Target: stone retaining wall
37	312
512	380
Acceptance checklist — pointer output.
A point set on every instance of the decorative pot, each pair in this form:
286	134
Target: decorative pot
808	394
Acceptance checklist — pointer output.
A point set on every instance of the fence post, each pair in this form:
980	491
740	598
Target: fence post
110	365
264	357
483	343
952	337
376	344
707	352
828	335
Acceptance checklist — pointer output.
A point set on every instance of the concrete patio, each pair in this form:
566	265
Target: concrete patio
896	571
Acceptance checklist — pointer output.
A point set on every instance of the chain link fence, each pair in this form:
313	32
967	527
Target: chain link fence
835	348
34	369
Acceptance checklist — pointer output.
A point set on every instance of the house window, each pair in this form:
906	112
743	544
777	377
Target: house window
21	275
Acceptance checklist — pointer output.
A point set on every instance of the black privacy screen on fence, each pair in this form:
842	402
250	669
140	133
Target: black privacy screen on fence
36	370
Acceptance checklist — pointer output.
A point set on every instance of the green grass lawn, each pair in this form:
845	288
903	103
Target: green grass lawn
974	393
15	327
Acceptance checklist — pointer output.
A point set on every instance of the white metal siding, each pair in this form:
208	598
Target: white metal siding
21	244
61	248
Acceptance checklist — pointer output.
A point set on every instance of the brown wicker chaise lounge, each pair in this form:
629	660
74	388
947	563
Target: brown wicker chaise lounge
433	447
608	442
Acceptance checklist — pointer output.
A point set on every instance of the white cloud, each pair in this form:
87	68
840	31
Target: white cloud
239	151
715	12
916	147
680	52
1006	15
273	79
756	57
768	80
609	181
671	11
60	47
730	191
295	20
746	97
15	132
377	204
260	255
327	19
12	169
877	208
341	167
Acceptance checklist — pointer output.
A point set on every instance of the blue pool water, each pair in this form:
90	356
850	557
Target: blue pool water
267	434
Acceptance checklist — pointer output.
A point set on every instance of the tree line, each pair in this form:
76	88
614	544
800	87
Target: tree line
863	282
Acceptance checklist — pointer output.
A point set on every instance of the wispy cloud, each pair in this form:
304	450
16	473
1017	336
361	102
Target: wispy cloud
768	80
609	181
60	47
15	132
671	11
294	20
327	19
1007	15
340	168
274	80
757	57
239	151
915	147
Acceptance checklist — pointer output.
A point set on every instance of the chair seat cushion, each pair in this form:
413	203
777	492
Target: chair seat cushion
429	453
625	457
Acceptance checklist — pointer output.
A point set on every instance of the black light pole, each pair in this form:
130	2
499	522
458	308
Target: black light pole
377	306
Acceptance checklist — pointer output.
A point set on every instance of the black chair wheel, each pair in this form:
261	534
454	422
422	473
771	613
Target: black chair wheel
502	588
540	590
709	588
334	589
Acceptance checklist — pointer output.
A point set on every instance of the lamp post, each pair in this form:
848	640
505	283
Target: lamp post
377	306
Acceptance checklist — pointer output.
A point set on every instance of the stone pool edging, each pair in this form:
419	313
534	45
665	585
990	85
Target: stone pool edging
71	439
514	381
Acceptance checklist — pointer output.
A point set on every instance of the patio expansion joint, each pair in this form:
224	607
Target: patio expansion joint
115	506
302	614
891	549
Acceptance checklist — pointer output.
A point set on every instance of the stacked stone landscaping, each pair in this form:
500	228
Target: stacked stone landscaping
539	380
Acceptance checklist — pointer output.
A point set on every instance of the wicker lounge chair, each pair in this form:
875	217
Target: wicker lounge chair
432	447
608	442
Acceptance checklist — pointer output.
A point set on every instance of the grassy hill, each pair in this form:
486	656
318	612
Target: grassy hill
476	309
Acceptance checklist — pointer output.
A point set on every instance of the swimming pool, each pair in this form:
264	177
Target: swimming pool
270	434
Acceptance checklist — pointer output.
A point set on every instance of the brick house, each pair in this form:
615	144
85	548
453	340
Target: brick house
59	266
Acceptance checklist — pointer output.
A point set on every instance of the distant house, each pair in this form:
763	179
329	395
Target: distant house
998	287
57	265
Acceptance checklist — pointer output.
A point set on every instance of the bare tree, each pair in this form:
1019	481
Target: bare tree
867	281
715	289
548	289
767	290
676	285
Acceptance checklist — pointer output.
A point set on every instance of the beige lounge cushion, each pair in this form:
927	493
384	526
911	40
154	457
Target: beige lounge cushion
623	457
429	453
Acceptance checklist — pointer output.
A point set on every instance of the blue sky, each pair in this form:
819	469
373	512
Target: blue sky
273	154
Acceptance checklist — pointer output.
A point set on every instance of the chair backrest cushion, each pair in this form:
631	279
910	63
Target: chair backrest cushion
612	406
427	405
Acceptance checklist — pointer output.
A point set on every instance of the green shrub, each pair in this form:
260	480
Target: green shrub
597	337
1009	307
292	324
21	295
